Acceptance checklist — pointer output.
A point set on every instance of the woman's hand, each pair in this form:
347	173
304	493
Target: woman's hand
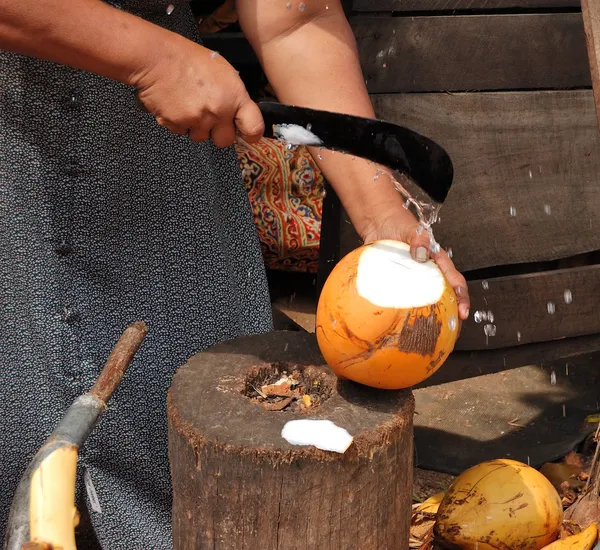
402	226
191	90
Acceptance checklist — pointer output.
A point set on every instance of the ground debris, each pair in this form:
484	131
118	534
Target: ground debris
296	390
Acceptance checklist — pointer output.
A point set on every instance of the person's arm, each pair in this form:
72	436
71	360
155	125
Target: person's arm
185	86
310	58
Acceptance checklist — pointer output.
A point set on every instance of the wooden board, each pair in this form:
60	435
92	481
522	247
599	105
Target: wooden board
532	308
459	5
465	53
591	19
462	365
521	149
526	309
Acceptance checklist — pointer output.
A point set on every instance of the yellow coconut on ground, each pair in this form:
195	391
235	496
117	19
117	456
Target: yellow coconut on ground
385	320
499	504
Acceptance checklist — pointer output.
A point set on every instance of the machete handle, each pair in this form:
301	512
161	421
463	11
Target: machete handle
43	515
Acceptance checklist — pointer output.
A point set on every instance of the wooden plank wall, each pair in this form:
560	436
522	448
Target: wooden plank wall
505	87
591	23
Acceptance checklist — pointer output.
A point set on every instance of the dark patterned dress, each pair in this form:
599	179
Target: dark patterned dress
106	218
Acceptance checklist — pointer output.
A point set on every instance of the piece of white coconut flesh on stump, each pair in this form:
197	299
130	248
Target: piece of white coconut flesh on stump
384	319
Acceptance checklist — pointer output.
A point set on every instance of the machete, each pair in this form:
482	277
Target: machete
400	150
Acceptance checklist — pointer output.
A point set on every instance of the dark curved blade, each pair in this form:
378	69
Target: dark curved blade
397	148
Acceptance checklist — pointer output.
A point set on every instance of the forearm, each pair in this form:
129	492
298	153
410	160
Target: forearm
84	34
315	64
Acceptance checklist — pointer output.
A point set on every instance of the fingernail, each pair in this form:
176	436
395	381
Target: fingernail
421	254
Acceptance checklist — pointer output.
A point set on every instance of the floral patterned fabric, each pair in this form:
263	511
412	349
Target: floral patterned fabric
286	190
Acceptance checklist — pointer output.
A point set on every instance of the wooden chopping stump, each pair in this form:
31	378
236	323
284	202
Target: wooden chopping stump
239	485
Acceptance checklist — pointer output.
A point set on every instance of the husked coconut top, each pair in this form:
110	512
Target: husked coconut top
387	276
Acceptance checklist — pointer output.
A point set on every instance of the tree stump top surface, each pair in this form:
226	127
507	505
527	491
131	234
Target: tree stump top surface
207	401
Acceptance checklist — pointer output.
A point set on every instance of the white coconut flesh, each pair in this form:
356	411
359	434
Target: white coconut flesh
388	277
296	135
322	434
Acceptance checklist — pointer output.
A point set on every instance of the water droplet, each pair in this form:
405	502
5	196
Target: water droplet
326	6
375	178
485	285
551	308
406	204
214	55
513	211
489	330
450	253
170	9
302	6
385	65
477	317
490	316
309	126
420	230
547	209
553	378
530	174
568	296
452	323
518	336
289	5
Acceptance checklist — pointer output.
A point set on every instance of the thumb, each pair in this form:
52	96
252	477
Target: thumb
418	239
249	121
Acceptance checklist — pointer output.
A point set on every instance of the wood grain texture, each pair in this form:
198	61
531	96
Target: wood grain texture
591	19
532	308
538	152
464	53
452	5
462	365
237	481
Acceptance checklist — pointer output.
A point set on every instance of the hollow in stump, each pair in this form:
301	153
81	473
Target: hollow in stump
239	484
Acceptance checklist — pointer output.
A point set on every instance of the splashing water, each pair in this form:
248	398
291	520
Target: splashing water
485	285
568	296
551	308
426	210
489	330
479	316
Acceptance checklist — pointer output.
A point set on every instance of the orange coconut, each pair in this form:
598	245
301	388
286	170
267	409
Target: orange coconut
385	320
